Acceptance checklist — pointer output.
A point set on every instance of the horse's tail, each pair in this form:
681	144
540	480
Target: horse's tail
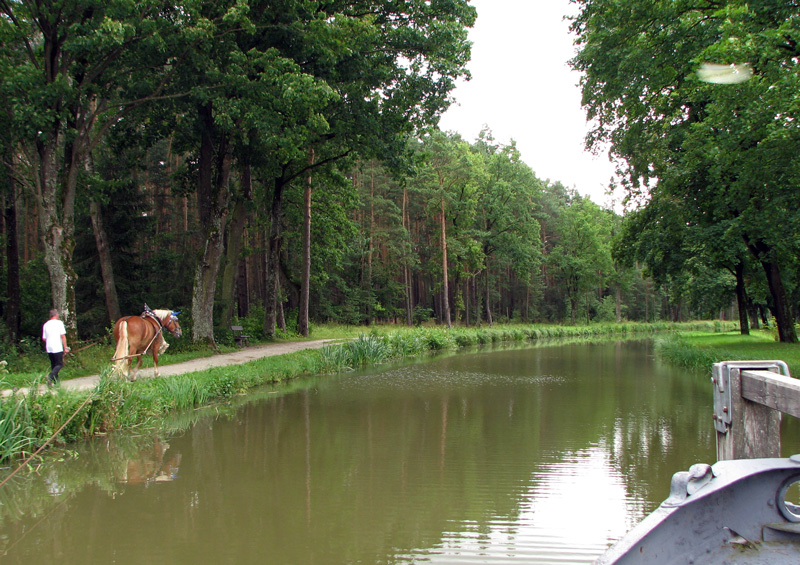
121	354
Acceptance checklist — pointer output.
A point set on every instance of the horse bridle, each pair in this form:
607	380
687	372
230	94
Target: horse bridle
161	326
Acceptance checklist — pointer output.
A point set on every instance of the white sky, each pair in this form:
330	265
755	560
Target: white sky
523	89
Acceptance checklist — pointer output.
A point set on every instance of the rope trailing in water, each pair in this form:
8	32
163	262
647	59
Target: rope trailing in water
42	519
50	439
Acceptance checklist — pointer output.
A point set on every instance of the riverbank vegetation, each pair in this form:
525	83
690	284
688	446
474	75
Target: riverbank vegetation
29	420
698	351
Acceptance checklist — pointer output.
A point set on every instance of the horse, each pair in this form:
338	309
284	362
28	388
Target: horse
136	335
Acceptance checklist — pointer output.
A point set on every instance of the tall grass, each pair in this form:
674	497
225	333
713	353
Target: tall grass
15	433
700	351
676	350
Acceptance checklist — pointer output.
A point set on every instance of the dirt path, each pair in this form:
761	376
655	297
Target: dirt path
235	358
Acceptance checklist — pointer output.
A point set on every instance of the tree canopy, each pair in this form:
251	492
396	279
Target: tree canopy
279	164
723	153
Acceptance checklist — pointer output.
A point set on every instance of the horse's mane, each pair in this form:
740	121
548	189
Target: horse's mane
162	314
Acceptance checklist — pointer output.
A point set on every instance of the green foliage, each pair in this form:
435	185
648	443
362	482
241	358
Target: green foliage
713	165
606	310
421	315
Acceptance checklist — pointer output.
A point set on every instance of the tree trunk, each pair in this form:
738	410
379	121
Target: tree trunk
213	192
56	203
370	250
783	318
406	270
752	312
741	299
234	247
243	287
488	301
467	318
305	283
273	260
445	285
476	301
12	310
573	306
232	259
280	319
106	269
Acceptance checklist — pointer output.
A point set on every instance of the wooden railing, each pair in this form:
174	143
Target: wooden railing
749	397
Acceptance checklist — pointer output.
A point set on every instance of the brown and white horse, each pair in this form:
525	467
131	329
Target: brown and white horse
138	335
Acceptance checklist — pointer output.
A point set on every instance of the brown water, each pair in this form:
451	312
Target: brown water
532	455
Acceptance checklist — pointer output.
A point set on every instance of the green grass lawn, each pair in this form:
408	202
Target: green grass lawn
732	346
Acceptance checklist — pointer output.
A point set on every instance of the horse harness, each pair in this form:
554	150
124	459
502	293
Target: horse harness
149	314
145	315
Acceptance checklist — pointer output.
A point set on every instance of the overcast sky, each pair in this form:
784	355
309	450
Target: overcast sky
523	89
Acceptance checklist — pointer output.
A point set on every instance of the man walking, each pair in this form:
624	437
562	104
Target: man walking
54	335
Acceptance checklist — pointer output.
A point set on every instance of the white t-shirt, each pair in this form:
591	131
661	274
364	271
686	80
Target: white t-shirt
52	330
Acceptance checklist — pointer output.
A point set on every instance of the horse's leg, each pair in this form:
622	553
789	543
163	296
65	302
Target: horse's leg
136	370
158	343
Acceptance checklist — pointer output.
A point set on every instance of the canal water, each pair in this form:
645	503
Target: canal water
521	455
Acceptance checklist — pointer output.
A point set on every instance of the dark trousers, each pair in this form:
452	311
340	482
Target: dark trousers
56	362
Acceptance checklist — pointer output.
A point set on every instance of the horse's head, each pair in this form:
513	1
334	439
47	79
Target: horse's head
171	323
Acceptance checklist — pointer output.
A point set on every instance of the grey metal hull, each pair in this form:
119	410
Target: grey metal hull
732	512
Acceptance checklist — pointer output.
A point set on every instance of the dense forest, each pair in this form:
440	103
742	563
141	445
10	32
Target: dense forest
279	162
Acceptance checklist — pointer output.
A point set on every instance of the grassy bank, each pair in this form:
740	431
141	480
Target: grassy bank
26	422
699	350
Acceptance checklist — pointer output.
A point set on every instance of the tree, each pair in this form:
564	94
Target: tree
509	194
87	65
305	285
446	182
391	67
581	255
716	149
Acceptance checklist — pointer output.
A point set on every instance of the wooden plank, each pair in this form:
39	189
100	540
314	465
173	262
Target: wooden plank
772	390
755	428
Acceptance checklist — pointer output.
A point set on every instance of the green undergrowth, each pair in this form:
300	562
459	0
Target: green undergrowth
27	421
699	351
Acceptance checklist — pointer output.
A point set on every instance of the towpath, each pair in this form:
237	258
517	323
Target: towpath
244	355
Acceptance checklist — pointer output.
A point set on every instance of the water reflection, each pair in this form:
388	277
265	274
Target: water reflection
150	465
524	455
